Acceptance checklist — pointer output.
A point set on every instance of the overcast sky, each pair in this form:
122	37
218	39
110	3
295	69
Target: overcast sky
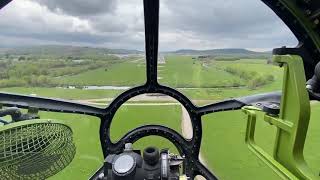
184	24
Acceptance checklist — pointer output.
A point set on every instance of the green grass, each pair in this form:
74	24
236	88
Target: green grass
120	74
183	71
225	151
313	140
250	61
224	93
259	66
179	71
86	134
64	93
88	156
130	117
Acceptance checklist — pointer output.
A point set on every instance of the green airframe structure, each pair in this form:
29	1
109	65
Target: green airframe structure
303	18
292	124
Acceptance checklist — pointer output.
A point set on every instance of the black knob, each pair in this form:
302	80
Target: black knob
313	84
151	155
271	108
317	71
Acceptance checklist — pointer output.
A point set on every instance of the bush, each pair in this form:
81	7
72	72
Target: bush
270	77
226	59
12	83
254	80
260	81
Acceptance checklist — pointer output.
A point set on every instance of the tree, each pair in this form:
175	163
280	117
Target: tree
21	58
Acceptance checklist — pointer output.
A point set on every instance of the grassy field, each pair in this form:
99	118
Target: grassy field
183	71
64	93
86	134
204	80
224	148
121	74
212	77
128	116
211	94
223	144
258	66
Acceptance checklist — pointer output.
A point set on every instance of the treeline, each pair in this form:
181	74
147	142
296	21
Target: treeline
62	52
226	59
253	79
32	81
42	73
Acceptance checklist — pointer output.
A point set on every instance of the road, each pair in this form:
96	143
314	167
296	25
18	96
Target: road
186	128
143	97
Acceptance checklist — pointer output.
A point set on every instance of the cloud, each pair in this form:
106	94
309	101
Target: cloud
45	26
79	7
223	23
201	24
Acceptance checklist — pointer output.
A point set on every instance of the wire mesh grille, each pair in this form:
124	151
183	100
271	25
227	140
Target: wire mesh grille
35	151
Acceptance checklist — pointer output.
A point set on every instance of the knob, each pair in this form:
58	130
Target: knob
151	155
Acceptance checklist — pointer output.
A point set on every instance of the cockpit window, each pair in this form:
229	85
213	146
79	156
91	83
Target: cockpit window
76	52
217	50
99	56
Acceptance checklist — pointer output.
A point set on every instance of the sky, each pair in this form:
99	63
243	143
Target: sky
184	24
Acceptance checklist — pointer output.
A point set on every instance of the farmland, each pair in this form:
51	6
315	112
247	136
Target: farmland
121	74
204	80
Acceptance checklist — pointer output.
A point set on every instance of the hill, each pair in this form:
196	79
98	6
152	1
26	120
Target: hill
229	52
64	51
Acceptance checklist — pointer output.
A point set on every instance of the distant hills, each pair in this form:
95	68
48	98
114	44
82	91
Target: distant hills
77	51
64	51
228	52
